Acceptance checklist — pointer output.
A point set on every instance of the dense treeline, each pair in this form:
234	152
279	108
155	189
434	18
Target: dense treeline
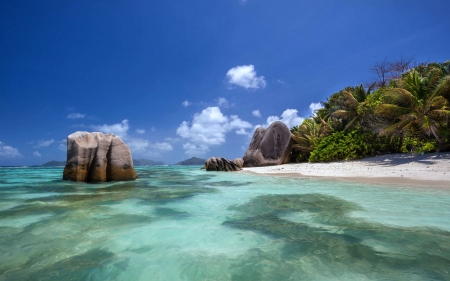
406	109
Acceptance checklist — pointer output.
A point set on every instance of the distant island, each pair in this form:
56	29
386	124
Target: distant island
194	161
136	162
146	162
52	163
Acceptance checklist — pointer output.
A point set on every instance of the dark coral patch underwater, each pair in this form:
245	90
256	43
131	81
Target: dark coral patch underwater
330	240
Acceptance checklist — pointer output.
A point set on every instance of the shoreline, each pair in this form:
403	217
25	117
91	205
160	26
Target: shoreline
430	171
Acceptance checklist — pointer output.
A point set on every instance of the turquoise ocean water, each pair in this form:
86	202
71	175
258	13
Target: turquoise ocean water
182	223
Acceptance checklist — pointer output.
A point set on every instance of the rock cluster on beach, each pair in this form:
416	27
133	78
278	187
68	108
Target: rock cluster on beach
268	147
271	146
98	157
239	162
221	164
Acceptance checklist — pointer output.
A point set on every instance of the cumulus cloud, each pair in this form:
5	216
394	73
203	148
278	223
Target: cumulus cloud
137	145
242	132
186	103
44	143
119	129
256	113
314	106
62	147
289	117
245	76
37	154
192	149
209	128
222	102
76	115
8	151
173	140
163	146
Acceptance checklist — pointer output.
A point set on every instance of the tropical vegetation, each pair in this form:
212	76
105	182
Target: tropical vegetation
406	110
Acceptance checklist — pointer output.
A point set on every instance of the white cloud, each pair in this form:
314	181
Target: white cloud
222	102
281	82
76	115
242	132
315	106
186	103
8	151
245	76
37	154
192	149
62	147
209	128
164	146
256	113
288	117
173	140
43	143
119	129
137	145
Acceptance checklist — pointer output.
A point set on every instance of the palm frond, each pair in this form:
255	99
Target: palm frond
344	114
395	129
392	110
351	124
440	113
413	83
443	87
426	125
399	96
438	102
350	101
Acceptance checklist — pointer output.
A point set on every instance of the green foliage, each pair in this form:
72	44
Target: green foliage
417	145
410	113
348	146
307	136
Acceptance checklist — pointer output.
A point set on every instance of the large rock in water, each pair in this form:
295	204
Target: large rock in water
97	157
220	164
271	146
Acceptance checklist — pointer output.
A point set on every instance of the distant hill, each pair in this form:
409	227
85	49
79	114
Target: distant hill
146	162
193	161
52	163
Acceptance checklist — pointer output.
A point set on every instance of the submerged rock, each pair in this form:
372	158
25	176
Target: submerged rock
271	146
98	157
220	164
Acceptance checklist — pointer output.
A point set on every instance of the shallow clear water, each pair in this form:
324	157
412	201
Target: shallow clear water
182	223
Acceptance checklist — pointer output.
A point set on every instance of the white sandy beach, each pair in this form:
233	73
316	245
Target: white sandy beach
429	170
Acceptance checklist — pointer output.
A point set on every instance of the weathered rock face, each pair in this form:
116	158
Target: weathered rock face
239	162
220	164
271	146
97	157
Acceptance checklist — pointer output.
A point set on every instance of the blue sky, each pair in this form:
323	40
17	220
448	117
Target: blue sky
177	79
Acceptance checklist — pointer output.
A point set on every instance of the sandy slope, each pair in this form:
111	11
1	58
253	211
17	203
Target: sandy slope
431	170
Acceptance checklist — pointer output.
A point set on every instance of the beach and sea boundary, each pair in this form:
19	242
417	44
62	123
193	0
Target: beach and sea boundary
427	170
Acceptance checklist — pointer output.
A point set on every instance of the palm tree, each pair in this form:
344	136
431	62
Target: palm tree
308	134
351	100
419	107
